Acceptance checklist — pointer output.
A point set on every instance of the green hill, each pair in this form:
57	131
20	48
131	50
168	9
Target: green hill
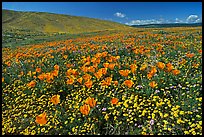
50	22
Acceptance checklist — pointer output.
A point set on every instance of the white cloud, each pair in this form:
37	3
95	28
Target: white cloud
143	22
120	15
192	18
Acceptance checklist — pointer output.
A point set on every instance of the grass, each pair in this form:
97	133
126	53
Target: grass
146	82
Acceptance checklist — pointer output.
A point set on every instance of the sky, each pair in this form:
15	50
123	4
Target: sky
129	13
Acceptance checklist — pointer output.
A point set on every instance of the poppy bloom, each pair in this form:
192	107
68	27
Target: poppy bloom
31	84
106	82
41	119
98	74
55	73
56	67
41	76
70	81
86	77
176	71
133	67
85	109
189	55
169	67
143	67
80	80
160	65
2	79
111	66
128	83
55	99
103	70
114	101
105	65
65	56
116	83
88	84
91	102
38	70
124	72
153	84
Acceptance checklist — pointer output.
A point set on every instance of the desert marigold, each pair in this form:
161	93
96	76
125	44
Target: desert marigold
31	84
85	109
55	99
41	119
153	84
124	72
161	65
91	102
114	101
128	83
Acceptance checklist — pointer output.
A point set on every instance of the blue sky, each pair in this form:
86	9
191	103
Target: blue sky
130	13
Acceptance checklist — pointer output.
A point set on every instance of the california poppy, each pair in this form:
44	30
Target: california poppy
176	71
88	84
143	67
91	102
133	68
55	99
38	70
86	77
70	81
105	65
106	82
85	109
128	83
111	66
80	80
31	84
114	101
56	67
160	65
153	84
124	72
98	74
41	119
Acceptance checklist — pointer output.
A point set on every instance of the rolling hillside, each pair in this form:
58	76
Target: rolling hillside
49	22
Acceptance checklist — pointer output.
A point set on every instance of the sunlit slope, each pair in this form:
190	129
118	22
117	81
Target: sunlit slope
49	22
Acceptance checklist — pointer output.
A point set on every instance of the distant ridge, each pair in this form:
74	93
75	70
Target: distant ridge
168	25
51	22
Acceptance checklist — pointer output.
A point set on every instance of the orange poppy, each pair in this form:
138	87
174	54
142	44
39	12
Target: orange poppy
91	102
124	72
169	67
103	70
31	84
91	69
133	68
116	83
56	67
55	99
143	67
114	101
55	73
38	70
98	74
176	71
80	80
128	83
189	55
85	109
86	77
111	66
41	119
2	79
41	76
88	84
106	82
70	81
65	56
160	65
153	84
105	65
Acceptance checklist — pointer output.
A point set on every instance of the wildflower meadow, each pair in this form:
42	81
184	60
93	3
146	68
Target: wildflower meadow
144	81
